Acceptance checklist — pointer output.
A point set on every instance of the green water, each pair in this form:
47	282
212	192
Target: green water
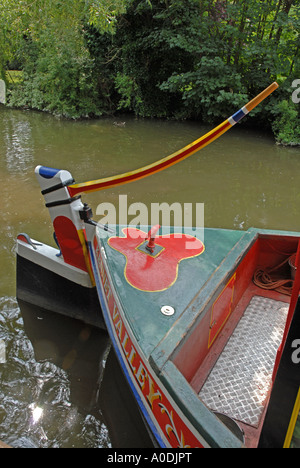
243	179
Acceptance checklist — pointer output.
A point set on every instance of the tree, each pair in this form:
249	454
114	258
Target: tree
47	37
199	59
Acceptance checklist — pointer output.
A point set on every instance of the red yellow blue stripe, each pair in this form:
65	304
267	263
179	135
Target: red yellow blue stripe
174	158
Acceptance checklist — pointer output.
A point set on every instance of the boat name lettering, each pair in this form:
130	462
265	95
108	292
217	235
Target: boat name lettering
136	365
296	353
178	434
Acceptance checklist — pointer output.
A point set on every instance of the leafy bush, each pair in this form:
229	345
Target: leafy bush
286	126
187	59
210	92
60	72
58	77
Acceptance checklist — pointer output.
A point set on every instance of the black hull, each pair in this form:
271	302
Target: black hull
41	287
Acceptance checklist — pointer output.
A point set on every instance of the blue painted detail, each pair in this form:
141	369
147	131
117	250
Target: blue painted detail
48	172
56	241
238	115
105	313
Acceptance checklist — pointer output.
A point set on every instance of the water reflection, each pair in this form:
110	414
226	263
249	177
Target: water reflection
61	385
43	404
50	392
18	145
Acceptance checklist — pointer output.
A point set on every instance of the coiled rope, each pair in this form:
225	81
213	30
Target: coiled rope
270	278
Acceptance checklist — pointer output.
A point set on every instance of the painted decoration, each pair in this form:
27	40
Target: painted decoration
173	429
158	271
176	157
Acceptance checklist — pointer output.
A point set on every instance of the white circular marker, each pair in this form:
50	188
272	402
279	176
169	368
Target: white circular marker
167	310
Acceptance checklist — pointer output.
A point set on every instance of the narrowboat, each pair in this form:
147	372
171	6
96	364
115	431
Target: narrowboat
206	326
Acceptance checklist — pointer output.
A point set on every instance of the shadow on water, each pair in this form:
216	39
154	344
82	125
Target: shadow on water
65	388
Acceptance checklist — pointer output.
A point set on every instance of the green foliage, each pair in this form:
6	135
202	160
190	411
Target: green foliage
102	14
62	85
60	75
285	112
187	59
203	60
286	123
210	92
156	41
128	89
286	126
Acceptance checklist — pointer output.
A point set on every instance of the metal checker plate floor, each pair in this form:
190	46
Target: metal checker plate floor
240	380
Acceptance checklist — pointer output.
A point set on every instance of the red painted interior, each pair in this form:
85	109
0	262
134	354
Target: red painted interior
195	358
221	310
265	252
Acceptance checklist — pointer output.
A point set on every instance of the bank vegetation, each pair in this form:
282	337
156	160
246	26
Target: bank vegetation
175	59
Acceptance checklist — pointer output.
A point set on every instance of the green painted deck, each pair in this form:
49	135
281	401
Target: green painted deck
143	309
210	296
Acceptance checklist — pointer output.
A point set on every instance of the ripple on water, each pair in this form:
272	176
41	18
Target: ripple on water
35	406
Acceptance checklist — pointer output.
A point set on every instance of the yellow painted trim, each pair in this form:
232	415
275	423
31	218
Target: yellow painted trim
258	99
81	236
87	187
293	420
168	161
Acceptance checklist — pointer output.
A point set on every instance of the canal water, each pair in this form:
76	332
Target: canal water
60	385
